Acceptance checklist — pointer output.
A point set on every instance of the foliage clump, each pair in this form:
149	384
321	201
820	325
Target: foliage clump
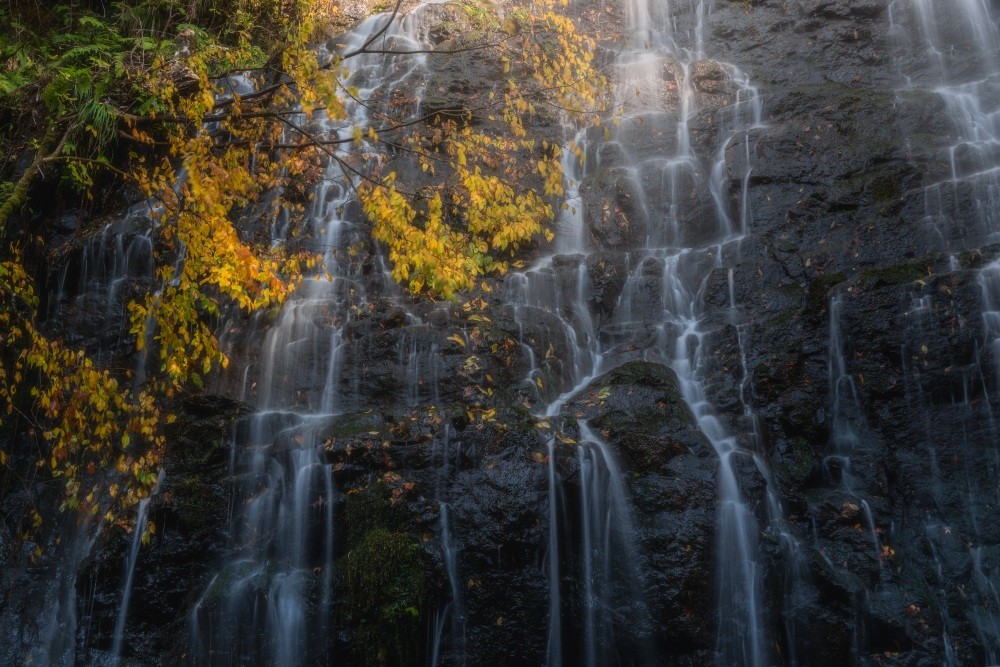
137	78
90	419
477	215
385	581
138	91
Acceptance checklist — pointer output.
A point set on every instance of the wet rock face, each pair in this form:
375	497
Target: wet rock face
190	513
839	208
613	210
879	559
396	474
491	478
639	410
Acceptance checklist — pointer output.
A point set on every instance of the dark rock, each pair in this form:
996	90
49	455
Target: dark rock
613	209
190	515
639	408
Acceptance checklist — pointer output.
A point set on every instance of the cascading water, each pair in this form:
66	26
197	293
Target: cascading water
683	197
951	50
282	530
675	239
58	618
608	545
118	255
142	516
452	614
846	414
741	635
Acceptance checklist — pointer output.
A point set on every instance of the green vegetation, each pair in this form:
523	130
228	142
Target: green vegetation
121	90
897	274
886	189
386	587
818	293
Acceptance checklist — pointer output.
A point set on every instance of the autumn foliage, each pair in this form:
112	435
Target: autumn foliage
478	214
202	153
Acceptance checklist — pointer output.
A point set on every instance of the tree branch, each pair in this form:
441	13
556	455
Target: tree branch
378	33
19	195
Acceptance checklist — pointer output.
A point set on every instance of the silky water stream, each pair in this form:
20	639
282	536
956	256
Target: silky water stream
684	224
273	595
272	601
950	50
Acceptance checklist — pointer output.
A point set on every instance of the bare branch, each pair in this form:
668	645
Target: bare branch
378	33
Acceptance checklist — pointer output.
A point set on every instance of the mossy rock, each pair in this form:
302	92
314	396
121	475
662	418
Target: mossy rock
385	596
355	424
798	463
782	319
368	511
975	260
817	294
886	189
196	504
623	383
638	407
897	274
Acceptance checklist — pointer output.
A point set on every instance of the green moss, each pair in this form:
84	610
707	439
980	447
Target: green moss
785	245
798	463
844	95
635	374
975	259
369	511
385	591
793	290
782	319
897	274
481	16
641	373
355	424
886	190
385	580
817	293
196	504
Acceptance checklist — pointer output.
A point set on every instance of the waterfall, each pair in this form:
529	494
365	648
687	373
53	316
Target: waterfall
142	515
57	624
846	415
950	49
93	300
282	536
454	609
554	657
140	527
659	315
609	551
452	614
741	634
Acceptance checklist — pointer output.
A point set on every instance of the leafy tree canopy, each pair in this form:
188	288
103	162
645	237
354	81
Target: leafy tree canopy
144	79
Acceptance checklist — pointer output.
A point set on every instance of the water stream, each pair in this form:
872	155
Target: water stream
679	238
282	535
950	49
142	516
